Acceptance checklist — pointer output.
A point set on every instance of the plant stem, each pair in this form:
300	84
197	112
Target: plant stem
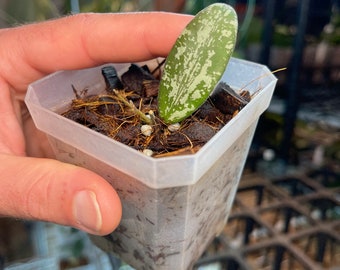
132	106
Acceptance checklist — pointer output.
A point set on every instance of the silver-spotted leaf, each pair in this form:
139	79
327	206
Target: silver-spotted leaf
197	61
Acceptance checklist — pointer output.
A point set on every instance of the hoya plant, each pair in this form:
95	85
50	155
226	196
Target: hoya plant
192	70
197	62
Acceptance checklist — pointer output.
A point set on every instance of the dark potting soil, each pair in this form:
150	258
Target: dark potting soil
130	102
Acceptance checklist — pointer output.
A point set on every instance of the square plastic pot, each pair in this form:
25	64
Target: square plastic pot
172	206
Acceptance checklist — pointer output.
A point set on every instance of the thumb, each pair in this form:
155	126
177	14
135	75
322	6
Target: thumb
43	189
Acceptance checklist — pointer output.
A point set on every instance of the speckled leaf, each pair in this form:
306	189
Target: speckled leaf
197	61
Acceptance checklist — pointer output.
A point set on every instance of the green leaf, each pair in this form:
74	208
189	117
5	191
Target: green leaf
197	61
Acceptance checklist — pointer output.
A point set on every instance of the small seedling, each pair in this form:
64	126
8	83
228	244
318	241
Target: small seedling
197	62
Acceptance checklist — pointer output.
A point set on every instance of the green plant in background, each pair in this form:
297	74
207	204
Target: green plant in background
331	33
197	61
283	36
14	12
114	5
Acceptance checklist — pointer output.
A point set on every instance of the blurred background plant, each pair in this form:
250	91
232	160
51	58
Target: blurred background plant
13	12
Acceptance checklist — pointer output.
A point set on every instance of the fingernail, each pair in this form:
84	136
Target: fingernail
86	211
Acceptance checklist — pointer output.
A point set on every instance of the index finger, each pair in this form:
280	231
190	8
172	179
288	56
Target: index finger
85	40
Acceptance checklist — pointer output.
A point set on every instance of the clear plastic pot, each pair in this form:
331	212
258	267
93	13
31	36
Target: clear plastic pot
172	206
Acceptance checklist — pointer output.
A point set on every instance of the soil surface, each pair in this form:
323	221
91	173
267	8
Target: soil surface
128	113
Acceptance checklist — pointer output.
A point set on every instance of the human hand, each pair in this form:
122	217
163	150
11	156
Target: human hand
33	186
